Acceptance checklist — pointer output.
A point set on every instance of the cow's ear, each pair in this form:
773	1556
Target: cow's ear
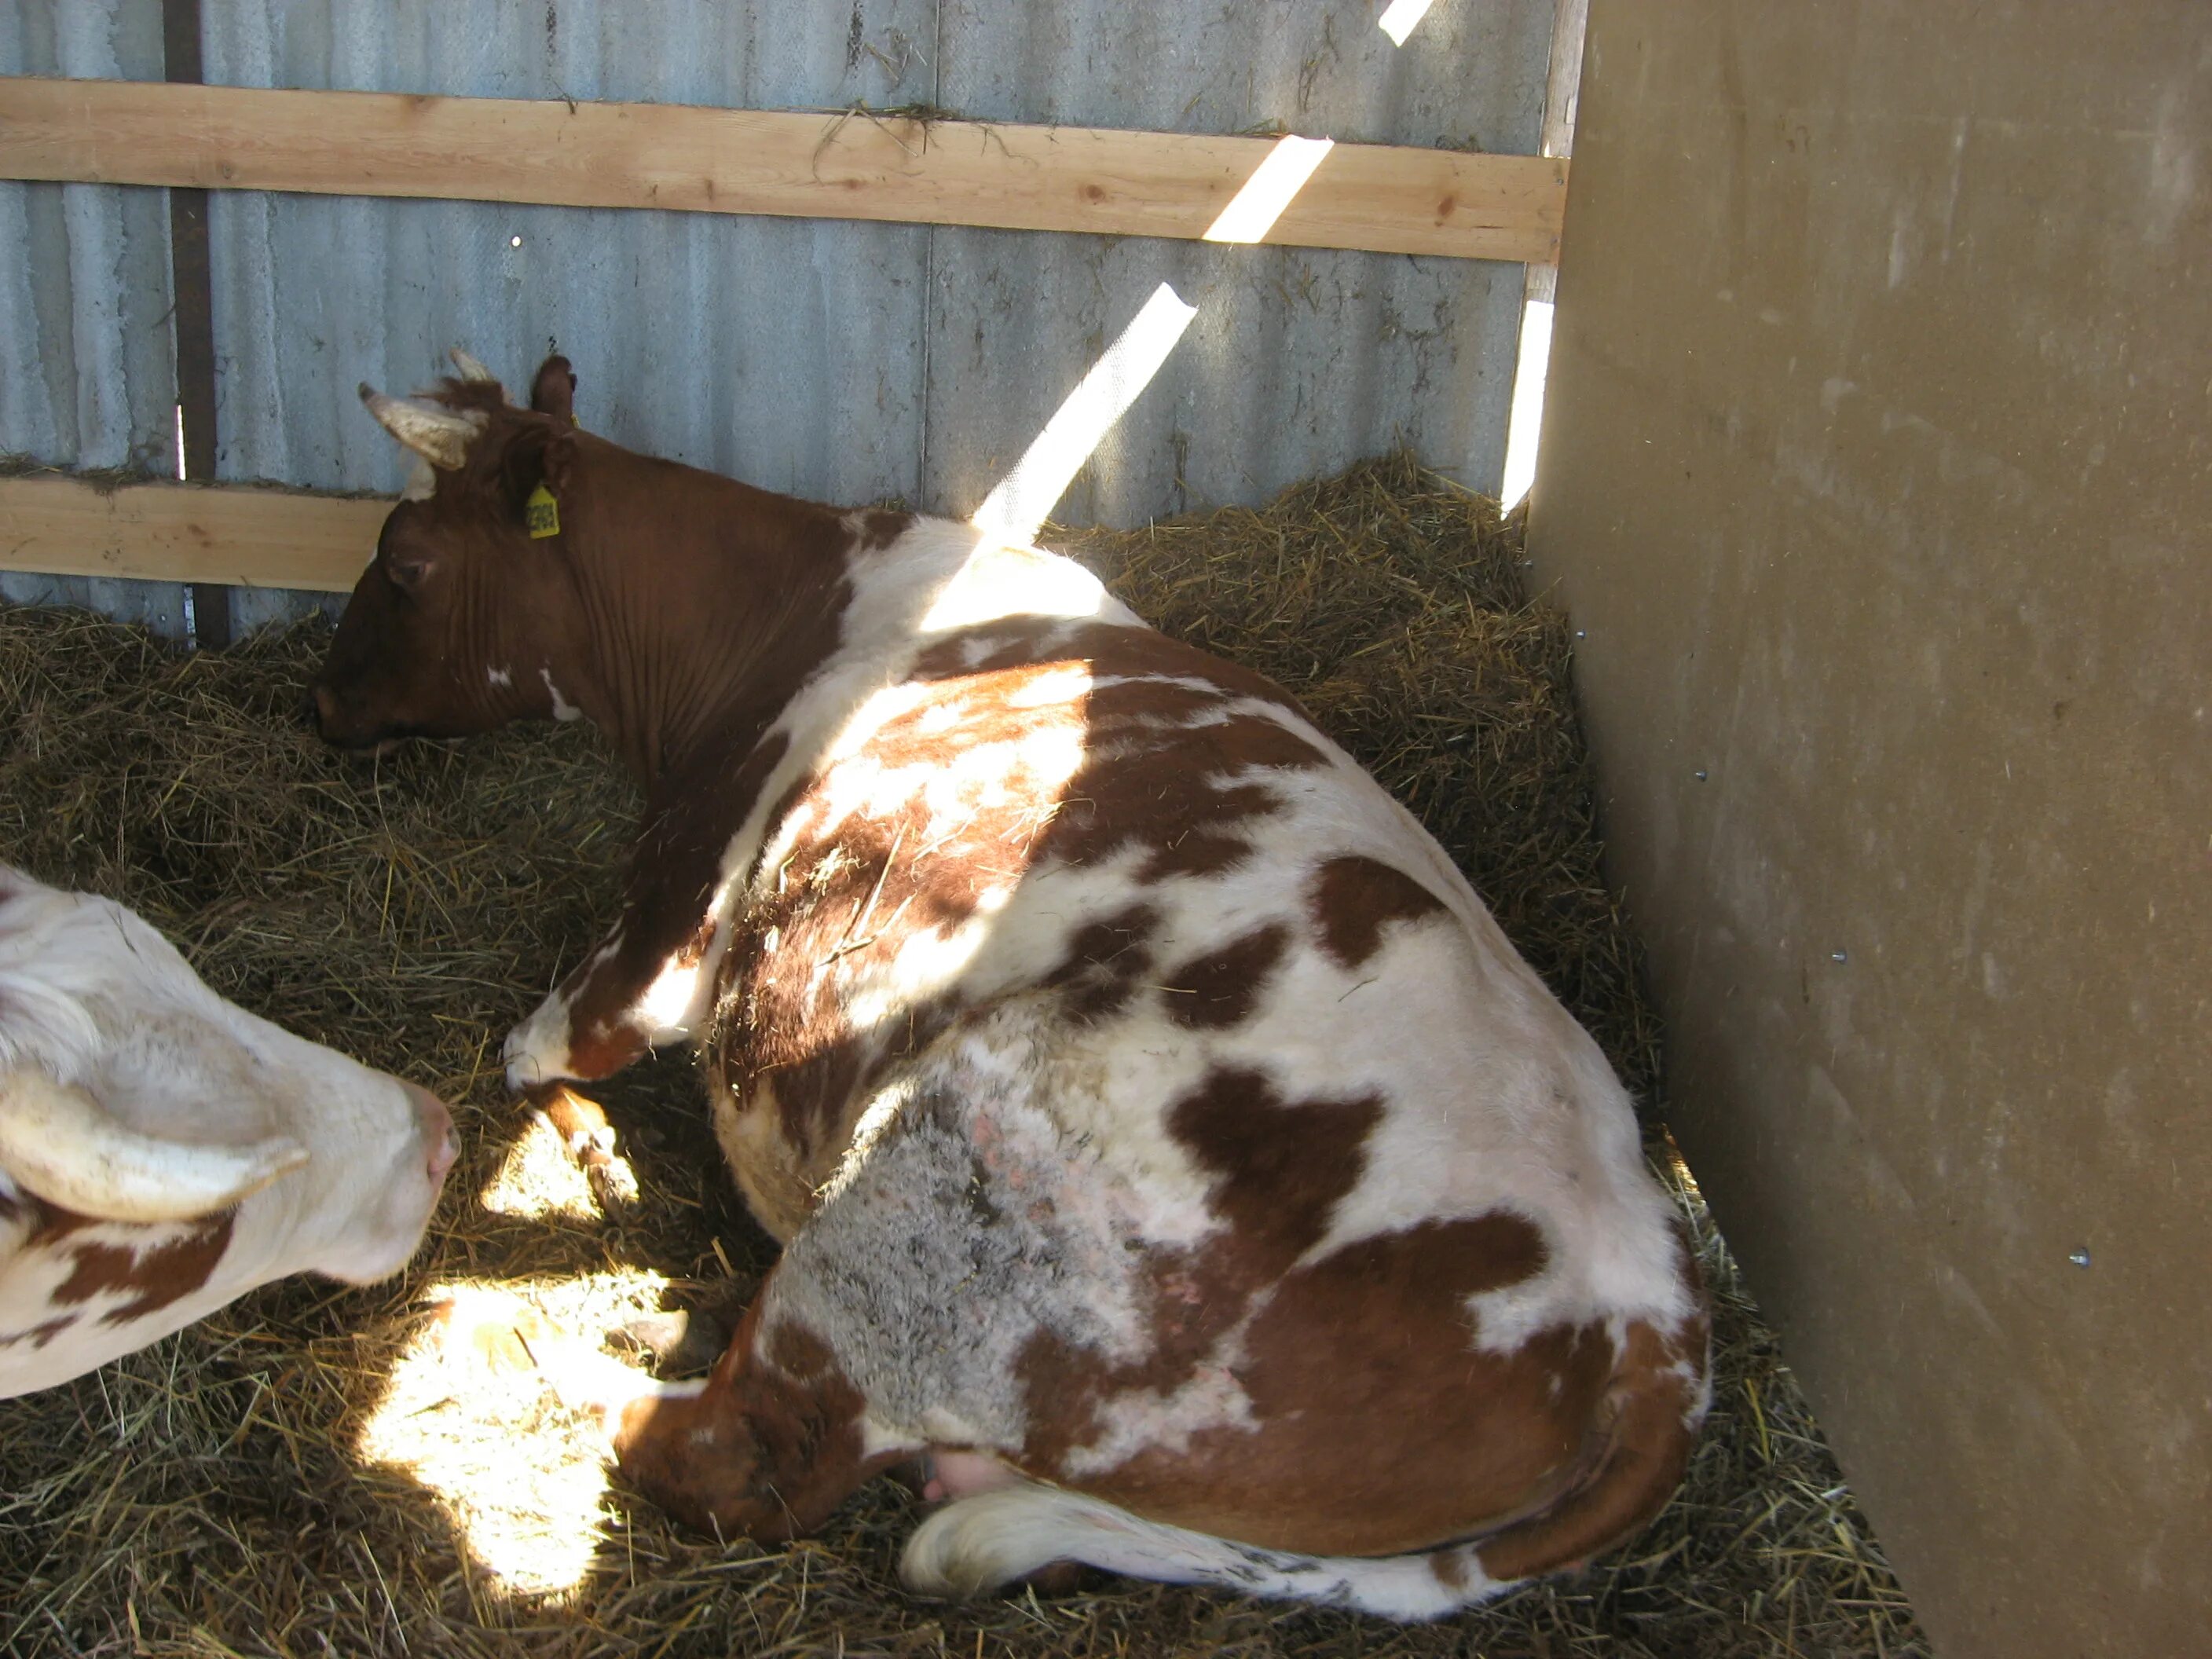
543	458
554	391
559	470
58	1142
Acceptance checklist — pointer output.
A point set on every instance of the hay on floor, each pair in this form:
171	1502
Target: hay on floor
312	1472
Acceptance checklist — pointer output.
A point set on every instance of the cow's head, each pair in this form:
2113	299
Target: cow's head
466	619
162	1150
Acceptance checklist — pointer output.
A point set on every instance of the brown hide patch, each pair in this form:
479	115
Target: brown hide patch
1381	1429
674	867
1643	1445
1011	642
1281	1168
1354	897
1449	1569
1107	960
766	1450
152	1275
1157	768
1213	992
40	1333
881	526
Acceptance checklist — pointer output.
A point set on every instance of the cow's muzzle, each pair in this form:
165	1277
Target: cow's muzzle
322	709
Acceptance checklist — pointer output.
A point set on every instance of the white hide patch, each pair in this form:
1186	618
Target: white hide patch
965	1151
499	676
537	1051
1146	1420
674	1003
998	580
562	708
926	963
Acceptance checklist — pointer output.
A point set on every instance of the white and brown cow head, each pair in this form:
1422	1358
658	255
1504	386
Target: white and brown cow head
162	1150
456	625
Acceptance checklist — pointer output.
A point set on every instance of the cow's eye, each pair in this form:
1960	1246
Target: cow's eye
408	572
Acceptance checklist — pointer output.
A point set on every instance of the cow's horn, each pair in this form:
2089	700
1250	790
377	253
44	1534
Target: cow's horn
472	367
439	436
60	1144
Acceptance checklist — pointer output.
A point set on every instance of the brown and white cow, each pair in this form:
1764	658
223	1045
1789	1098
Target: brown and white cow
162	1151
1172	1157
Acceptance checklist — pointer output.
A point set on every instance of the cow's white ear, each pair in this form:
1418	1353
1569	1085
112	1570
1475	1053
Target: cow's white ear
60	1144
439	436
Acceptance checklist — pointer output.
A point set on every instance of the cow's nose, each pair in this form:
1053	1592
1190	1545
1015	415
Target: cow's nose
437	1130
321	708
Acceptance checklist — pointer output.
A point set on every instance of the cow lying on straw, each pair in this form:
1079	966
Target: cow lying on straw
162	1151
1174	1161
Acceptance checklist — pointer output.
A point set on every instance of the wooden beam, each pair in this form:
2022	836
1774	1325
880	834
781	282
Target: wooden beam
1384	198
236	535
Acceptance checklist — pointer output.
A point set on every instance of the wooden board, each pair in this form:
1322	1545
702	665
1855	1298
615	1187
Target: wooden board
1888	537
1384	198
242	537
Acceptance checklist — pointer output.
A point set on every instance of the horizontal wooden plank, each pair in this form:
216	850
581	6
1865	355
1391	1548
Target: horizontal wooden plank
244	538
1384	198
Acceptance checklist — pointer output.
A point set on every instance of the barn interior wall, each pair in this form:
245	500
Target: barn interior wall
1873	474
850	360
88	363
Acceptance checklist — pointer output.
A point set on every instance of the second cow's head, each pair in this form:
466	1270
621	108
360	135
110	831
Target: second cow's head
163	1151
465	618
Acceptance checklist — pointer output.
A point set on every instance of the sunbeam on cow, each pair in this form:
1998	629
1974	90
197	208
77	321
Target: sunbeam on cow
163	1151
1177	1168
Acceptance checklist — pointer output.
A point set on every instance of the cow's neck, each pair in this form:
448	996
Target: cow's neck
706	603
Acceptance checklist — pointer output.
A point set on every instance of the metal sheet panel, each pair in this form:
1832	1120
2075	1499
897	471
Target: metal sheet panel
1299	360
852	361
786	351
1470	74
87	359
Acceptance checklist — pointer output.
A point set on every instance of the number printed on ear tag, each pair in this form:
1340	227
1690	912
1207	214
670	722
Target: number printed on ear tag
542	514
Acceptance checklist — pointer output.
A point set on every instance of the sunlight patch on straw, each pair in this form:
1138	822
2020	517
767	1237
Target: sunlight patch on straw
537	1179
470	1417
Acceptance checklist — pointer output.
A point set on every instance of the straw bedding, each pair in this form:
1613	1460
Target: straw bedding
311	1472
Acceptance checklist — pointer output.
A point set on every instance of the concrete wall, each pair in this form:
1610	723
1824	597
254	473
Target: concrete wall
1877	466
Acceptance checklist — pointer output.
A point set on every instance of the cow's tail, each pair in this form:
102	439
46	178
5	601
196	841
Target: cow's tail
981	1543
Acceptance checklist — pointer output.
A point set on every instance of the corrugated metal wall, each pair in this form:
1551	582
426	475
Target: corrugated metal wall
852	361
87	367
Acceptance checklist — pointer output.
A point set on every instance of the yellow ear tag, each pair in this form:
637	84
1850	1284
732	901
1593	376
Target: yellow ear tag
542	514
